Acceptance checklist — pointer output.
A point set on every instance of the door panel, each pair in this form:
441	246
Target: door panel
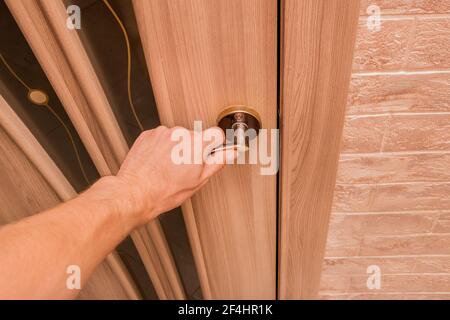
203	56
319	37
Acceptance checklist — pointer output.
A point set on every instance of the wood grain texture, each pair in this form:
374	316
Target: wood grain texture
317	55
67	66
203	56
31	183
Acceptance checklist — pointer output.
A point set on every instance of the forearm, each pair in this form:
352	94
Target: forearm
36	251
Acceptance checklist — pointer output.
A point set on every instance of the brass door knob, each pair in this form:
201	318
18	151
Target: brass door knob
240	119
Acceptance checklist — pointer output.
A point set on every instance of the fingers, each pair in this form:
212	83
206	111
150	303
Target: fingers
202	144
212	138
217	161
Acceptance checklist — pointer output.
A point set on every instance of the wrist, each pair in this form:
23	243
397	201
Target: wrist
123	201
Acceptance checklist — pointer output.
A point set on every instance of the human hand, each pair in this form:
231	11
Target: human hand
154	183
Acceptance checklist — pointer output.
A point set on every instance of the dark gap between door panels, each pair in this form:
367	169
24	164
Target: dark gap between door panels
280	33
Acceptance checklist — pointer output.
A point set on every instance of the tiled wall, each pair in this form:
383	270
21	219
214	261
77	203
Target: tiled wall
392	198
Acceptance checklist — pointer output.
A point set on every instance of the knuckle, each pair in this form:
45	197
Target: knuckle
144	135
147	132
177	128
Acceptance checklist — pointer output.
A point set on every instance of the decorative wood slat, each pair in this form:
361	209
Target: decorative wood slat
319	38
67	66
39	184
203	56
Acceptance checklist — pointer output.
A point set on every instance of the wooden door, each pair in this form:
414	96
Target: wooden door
318	43
203	56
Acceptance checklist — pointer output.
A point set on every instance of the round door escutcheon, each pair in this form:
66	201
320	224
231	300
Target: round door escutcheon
239	116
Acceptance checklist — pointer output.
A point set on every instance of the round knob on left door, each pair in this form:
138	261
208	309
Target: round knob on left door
240	124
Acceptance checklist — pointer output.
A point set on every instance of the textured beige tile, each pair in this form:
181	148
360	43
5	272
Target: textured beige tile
349	266
397	197
429	6
382	50
399	93
424	244
352	198
438	264
389	283
393	168
390	265
410	43
387	6
333	283
359	225
342	246
348	233
369	183
385	296
405	245
430	45
420	132
407	6
363	134
443	223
